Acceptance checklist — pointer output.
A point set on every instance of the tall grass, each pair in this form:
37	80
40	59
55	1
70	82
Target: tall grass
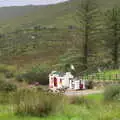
34	103
112	92
31	109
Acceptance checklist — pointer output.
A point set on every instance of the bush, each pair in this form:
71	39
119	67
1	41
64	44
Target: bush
112	92
20	77
34	103
7	87
36	74
9	74
89	84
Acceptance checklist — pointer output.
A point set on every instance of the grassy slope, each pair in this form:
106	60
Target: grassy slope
20	48
59	15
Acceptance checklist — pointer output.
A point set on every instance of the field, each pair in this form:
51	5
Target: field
95	109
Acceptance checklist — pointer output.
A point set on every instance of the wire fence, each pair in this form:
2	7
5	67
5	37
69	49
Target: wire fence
101	76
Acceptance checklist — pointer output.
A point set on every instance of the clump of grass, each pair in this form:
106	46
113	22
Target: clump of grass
34	103
112	92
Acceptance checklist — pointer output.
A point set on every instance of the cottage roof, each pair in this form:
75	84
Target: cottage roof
61	74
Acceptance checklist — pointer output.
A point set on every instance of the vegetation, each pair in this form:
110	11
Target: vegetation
94	109
112	93
35	103
8	70
7	86
38	73
88	19
33	38
45	38
112	34
105	75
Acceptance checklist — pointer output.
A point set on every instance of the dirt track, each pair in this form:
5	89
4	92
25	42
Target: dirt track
82	92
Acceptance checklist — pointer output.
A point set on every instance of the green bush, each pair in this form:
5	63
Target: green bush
7	87
9	74
34	103
36	74
41	77
20	77
112	92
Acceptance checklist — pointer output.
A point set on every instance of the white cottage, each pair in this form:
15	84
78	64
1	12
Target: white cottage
60	80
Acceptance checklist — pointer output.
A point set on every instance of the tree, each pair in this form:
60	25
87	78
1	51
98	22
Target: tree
112	37
89	22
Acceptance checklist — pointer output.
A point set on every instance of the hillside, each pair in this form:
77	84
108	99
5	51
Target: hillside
31	34
59	15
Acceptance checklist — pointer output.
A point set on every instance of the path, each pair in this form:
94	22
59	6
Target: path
82	92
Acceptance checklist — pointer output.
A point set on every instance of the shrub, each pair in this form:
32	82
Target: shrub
7	87
34	103
20	77
9	74
112	92
32	77
36	74
89	84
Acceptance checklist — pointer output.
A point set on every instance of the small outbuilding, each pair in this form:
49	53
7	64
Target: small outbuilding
59	79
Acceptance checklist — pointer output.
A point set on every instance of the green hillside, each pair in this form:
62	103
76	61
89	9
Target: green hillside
31	34
59	15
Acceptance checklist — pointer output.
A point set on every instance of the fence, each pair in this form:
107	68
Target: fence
101	76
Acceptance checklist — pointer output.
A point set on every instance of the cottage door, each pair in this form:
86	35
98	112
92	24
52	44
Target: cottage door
55	82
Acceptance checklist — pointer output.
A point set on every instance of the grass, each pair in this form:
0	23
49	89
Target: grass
95	111
96	97
18	48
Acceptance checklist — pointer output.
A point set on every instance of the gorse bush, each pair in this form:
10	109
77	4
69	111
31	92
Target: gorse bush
34	103
112	92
